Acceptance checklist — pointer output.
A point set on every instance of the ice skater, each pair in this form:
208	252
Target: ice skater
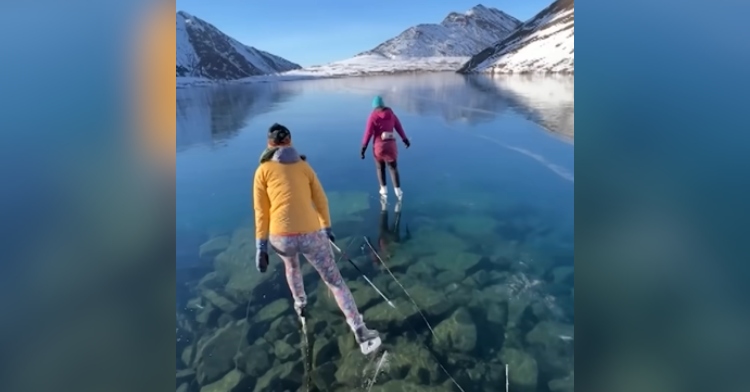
291	213
380	128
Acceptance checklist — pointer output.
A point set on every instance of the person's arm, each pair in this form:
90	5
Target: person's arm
319	199
261	205
400	129
368	133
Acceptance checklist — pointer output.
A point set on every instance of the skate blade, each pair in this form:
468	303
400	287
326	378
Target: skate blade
370	346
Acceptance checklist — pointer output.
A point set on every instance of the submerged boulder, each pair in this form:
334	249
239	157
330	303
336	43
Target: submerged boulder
257	359
522	370
272	311
564	384
214	246
384	317
215	357
220	301
410	360
429	240
453	260
552	344
229	383
472	225
285	376
457	333
406	386
348	206
432	302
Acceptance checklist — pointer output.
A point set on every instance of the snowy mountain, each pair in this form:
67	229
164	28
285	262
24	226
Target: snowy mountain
427	47
542	44
457	35
203	51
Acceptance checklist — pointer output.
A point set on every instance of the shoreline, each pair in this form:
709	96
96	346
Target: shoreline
296	75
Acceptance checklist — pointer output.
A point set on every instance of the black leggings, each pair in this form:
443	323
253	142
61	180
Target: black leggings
393	166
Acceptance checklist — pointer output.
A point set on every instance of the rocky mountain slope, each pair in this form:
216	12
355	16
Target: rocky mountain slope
203	51
542	44
459	34
427	47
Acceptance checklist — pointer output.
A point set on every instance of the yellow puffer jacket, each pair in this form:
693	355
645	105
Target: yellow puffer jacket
288	198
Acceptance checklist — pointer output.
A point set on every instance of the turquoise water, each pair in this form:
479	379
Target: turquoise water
485	242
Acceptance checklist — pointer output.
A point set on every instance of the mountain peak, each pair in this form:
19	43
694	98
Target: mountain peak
458	35
544	43
205	51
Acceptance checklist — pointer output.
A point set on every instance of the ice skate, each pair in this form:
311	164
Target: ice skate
399	193
368	340
383	195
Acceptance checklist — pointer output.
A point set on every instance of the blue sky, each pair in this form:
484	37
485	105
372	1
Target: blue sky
317	32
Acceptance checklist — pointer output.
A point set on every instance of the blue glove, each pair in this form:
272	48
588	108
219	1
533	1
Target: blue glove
330	235
261	255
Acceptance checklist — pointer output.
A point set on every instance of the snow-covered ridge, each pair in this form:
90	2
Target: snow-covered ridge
545	43
426	47
204	51
459	34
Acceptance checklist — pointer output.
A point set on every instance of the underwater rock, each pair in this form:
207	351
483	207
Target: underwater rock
552	343
422	271
214	246
412	361
324	350
472	225
457	333
447	277
228	383
432	302
522	370
187	356
210	280
224	320
255	360
352	368
272	311
405	386
215	357
285	376
183	387
364	295
562	384
346	343
384	317
347	206
185	375
324	376
284	351
453	260
497	313
429	240
562	274
459	294
280	327
206	314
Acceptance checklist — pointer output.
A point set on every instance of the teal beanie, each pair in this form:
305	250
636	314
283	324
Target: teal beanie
377	102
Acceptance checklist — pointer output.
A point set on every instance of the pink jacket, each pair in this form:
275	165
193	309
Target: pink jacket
382	121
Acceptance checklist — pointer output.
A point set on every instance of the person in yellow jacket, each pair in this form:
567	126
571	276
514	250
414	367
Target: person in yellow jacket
291	213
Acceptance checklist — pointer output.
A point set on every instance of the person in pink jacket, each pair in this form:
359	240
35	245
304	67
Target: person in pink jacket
380	126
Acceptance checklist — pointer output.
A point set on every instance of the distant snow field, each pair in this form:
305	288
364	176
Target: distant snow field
374	64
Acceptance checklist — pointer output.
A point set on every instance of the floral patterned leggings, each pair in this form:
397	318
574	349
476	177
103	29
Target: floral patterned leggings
318	252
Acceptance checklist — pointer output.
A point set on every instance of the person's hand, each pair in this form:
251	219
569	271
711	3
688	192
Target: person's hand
407	143
261	255
329	234
362	152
